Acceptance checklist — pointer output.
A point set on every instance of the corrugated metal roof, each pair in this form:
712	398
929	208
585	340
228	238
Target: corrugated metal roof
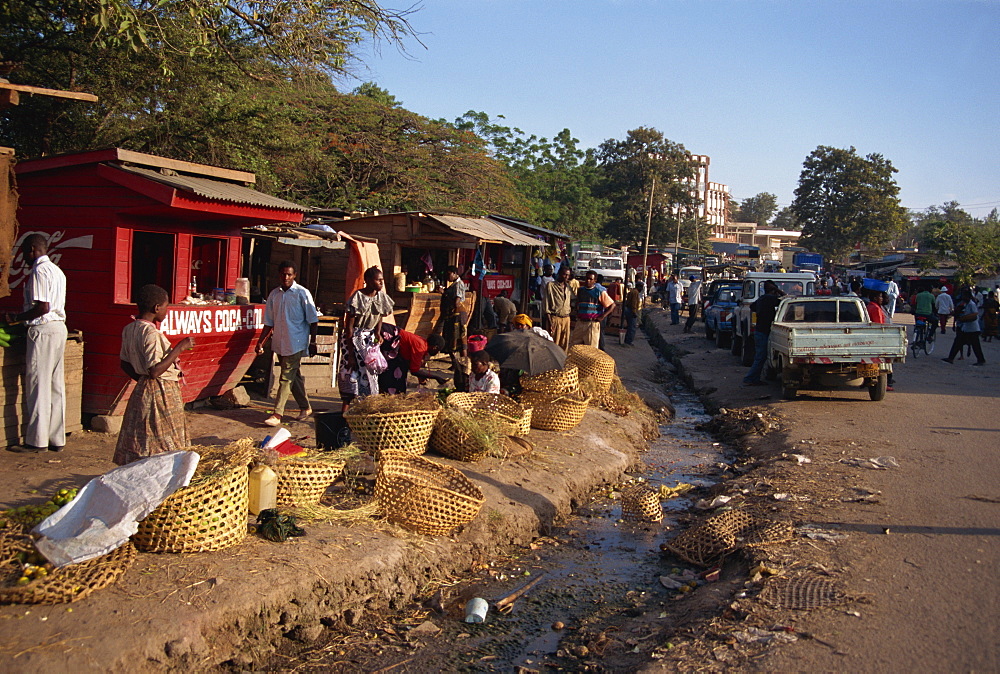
487	230
215	189
523	224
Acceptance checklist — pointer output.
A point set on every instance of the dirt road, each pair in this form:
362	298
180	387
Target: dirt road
924	544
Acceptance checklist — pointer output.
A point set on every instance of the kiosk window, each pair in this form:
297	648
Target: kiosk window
152	261
208	263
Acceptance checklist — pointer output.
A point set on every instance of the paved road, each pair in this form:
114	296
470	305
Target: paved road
933	578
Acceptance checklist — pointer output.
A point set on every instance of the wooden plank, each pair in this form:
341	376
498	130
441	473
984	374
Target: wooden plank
42	91
117	154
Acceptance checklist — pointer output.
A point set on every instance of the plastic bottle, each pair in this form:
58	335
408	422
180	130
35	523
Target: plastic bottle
263	488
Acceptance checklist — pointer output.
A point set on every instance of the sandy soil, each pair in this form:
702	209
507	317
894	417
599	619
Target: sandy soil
197	611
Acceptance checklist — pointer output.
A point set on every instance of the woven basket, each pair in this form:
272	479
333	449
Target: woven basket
304	482
593	363
63	585
556	412
553	381
641	504
714	538
425	496
395	431
210	515
514	417
453	441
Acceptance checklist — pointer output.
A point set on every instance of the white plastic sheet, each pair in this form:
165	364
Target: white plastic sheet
107	511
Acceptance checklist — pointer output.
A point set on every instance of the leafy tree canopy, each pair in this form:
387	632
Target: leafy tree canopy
630	167
556	177
844	199
758	209
785	219
300	35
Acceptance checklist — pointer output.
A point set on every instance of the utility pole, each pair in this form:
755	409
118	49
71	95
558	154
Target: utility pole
649	222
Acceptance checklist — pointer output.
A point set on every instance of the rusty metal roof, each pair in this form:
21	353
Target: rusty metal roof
487	230
214	189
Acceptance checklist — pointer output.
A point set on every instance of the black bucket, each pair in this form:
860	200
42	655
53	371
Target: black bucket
332	431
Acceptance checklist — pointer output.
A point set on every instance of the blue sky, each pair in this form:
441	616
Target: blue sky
755	84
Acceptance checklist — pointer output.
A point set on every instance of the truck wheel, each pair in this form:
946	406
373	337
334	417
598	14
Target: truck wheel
735	345
770	373
709	333
748	348
723	339
877	390
789	392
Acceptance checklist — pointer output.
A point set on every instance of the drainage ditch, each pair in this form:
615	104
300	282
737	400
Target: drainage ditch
596	583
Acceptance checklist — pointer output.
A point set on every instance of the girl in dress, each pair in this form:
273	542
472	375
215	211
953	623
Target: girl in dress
154	417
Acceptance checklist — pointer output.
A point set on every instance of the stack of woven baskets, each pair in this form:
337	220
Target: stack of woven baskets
555	398
418	494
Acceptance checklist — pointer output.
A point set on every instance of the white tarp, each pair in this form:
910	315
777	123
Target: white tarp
107	511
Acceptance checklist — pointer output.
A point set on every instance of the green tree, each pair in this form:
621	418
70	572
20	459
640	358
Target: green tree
785	219
556	178
974	246
844	199
758	209
630	168
298	35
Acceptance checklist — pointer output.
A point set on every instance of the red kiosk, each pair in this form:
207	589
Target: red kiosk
117	220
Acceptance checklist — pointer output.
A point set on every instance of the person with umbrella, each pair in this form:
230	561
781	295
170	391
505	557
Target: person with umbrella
593	305
523	352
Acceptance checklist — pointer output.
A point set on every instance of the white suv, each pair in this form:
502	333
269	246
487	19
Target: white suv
608	268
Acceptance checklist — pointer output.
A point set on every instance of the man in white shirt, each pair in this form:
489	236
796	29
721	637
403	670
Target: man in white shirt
291	317
944	307
45	315
893	295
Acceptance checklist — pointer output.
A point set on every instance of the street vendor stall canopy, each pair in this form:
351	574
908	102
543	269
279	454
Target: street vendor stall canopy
485	230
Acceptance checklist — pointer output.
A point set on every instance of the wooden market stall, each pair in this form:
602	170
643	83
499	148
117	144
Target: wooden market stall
117	220
428	242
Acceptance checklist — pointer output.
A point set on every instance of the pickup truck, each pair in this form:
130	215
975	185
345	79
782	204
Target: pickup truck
743	319
723	298
831	342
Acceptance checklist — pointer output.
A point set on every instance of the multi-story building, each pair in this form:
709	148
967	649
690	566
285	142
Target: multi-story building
713	197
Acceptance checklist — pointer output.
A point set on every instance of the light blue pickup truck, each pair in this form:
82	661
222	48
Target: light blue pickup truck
830	342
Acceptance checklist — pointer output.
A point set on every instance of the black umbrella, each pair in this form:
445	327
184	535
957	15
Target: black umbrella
526	350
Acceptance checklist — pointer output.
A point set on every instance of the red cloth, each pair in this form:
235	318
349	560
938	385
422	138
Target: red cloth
413	348
875	313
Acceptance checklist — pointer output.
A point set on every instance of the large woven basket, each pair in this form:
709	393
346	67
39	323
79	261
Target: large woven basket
67	584
425	496
513	416
208	515
553	381
394	431
641	504
303	482
593	363
453	441
556	411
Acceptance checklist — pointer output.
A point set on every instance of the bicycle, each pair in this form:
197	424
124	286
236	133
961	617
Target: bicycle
924	335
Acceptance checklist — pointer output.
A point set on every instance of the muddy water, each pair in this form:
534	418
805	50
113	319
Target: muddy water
598	565
597	571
